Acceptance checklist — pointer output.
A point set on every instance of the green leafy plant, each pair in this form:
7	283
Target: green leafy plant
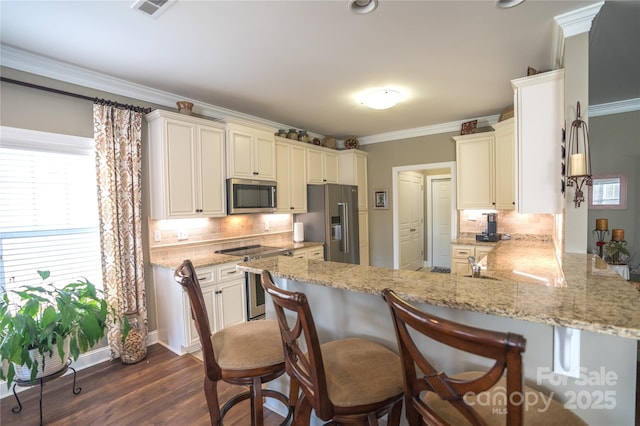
42	317
616	253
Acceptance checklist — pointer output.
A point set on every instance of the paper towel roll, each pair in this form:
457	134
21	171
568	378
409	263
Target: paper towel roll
298	232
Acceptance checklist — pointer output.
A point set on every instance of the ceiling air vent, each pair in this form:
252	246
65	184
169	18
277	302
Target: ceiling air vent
152	7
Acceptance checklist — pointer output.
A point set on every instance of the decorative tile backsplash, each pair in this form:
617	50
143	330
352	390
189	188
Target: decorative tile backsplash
194	235
509	222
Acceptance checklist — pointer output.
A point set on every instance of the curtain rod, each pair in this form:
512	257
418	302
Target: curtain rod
75	95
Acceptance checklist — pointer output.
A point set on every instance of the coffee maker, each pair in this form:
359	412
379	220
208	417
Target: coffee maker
491	233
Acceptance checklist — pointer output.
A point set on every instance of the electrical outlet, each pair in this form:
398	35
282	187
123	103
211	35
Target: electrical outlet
266	225
183	235
157	236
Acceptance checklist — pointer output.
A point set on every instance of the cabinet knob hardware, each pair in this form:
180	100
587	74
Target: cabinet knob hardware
231	273
255	173
202	279
494	203
292	208
412	230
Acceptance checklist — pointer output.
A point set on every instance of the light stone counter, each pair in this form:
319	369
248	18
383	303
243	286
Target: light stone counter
530	284
200	260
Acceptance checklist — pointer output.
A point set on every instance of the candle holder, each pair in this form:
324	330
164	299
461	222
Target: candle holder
579	158
599	235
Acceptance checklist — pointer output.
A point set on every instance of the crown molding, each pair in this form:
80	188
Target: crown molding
570	24
46	67
28	62
435	129
610	108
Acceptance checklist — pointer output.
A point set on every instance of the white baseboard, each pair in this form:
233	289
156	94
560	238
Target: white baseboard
85	360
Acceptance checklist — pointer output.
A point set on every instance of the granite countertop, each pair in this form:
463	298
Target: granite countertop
213	259
530	283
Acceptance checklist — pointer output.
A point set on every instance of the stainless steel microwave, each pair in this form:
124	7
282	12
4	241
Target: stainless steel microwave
251	196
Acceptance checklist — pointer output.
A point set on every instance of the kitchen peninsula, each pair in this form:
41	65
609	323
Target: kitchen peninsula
530	291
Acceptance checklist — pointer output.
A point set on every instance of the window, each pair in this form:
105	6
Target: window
608	192
48	209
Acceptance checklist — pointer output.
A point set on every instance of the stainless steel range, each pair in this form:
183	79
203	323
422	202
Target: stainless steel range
255	292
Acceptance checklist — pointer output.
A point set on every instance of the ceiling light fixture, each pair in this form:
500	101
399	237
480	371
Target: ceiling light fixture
381	98
506	4
362	7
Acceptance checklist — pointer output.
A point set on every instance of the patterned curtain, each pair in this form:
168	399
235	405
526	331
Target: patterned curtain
118	139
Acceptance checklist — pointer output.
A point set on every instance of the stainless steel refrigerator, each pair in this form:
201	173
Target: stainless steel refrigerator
332	218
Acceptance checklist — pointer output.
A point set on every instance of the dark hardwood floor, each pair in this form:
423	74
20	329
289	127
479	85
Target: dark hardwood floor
163	389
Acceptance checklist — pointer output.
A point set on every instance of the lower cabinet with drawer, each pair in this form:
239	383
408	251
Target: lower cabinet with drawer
224	293
459	254
311	253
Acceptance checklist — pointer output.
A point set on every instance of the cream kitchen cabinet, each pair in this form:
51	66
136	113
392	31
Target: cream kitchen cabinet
459	257
539	120
322	166
186	163
311	253
504	165
363	224
485	169
251	151
353	171
223	290
291	177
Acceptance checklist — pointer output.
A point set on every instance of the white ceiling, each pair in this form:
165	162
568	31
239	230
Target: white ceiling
302	63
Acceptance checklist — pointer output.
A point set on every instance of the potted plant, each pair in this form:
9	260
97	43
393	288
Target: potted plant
617	253
41	327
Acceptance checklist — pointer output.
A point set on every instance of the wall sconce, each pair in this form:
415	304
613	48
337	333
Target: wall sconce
579	158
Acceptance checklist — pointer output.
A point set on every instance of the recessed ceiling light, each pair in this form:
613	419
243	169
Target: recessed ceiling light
381	98
362	7
506	4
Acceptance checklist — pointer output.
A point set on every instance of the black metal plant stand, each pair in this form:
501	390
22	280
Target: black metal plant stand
42	380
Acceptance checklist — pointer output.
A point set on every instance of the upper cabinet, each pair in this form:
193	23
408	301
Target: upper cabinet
186	163
291	176
251	151
485	169
539	122
322	165
504	165
353	171
475	177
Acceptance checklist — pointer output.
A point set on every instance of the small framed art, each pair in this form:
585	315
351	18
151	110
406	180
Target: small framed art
380	199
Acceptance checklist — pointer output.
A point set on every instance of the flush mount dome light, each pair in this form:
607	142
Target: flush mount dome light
381	98
362	6
506	4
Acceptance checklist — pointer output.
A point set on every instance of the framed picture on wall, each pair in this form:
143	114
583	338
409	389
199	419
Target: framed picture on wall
380	199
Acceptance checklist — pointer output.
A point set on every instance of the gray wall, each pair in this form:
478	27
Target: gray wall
615	148
382	158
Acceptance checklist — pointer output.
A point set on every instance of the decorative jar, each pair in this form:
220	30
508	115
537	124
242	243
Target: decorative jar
134	348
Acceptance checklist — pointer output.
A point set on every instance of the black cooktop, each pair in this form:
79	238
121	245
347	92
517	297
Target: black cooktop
253	251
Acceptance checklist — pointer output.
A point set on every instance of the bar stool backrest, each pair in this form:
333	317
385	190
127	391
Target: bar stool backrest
421	377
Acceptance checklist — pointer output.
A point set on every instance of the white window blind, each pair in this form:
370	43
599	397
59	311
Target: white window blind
48	209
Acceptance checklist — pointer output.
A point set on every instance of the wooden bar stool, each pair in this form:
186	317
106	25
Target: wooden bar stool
433	398
350	380
248	354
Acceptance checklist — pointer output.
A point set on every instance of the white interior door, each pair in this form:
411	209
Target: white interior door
411	219
440	216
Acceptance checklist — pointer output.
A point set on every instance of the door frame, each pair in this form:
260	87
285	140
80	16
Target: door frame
430	179
394	204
